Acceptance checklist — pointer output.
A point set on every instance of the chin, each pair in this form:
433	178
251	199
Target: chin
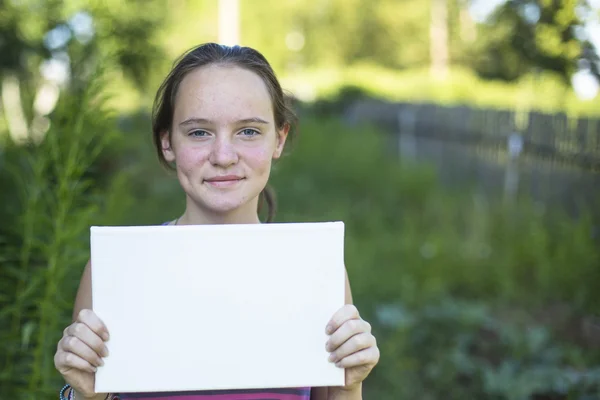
222	209
223	205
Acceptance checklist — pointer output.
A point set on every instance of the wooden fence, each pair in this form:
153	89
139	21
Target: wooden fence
549	136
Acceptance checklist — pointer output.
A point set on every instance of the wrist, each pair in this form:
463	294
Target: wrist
353	392
95	396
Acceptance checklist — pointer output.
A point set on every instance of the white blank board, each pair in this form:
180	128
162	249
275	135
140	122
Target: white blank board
210	307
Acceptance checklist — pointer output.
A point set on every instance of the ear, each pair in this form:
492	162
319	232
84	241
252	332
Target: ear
167	149
282	135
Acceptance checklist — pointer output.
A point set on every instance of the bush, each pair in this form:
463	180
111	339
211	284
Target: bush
466	350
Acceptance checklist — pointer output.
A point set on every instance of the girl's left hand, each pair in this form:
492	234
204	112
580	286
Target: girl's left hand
351	344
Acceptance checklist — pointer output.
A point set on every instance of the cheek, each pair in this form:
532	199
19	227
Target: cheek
188	158
259	158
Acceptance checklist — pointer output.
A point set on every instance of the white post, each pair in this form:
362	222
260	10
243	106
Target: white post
511	179
229	16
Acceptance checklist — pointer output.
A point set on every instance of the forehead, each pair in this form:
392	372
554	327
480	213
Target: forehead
222	93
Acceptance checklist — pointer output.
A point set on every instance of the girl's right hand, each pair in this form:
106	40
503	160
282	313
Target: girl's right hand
80	352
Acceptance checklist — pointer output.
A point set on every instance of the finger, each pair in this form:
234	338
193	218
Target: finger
84	333
90	318
346	331
349	311
66	361
368	356
72	344
355	344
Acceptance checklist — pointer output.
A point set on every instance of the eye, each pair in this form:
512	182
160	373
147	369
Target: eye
198	133
249	132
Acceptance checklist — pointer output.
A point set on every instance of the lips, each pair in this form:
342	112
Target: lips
224	181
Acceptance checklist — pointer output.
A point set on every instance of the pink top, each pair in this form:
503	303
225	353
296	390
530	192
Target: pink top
247	394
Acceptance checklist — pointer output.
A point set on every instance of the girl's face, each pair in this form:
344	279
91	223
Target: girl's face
223	138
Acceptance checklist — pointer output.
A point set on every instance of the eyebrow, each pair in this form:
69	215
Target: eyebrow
253	120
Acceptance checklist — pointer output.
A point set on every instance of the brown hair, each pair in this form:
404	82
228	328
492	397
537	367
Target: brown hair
212	53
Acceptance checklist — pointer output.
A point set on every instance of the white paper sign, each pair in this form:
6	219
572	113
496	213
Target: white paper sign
213	307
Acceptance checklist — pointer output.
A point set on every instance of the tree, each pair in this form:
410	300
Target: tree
440	57
533	34
318	33
51	46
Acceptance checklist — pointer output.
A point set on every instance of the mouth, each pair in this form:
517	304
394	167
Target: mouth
224	181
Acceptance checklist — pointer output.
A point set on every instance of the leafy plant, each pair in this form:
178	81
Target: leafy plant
53	196
455	349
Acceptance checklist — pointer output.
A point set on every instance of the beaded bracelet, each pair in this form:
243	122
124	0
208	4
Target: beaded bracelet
61	395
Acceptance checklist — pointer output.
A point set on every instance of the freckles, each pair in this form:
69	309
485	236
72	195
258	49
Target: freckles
188	158
258	156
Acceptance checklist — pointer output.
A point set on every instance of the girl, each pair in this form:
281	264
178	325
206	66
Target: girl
220	118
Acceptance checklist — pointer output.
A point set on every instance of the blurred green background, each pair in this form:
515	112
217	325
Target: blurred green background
459	140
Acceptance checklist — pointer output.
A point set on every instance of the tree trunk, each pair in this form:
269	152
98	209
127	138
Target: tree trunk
439	39
468	31
229	15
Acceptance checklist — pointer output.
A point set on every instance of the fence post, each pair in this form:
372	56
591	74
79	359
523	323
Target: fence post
511	177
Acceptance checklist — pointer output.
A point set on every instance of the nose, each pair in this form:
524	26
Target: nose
223	153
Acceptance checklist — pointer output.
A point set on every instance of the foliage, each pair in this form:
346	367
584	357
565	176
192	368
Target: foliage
341	32
35	30
543	91
453	269
52	191
49	42
410	243
319	46
384	46
456	350
396	35
527	34
436	241
452	272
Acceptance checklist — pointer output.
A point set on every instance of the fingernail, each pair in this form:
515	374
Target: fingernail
101	363
105	351
338	364
105	336
329	329
331	357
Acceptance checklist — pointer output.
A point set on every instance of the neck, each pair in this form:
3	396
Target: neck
195	214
